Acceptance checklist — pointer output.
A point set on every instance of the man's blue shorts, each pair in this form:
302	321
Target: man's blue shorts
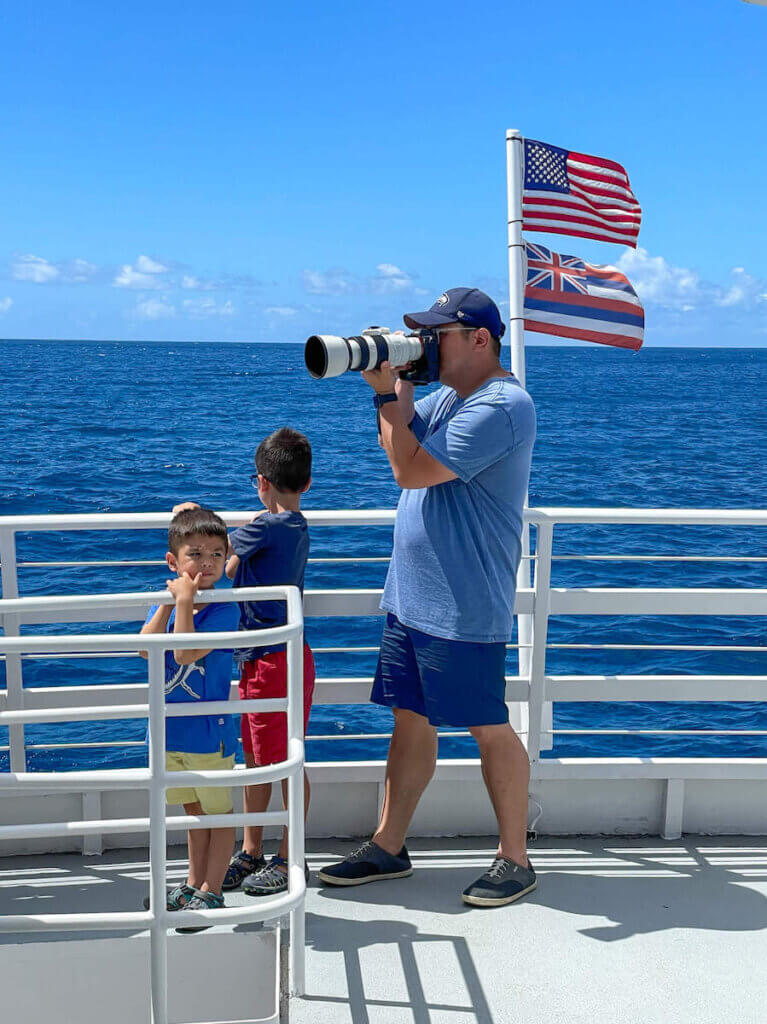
450	682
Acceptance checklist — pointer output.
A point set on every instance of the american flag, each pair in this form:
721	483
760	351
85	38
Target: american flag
570	298
574	194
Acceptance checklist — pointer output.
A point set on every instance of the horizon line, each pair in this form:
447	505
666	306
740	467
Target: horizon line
575	345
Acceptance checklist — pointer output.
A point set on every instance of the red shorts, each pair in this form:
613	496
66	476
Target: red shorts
265	736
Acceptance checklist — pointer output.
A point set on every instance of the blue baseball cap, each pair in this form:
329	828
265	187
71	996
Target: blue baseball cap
467	306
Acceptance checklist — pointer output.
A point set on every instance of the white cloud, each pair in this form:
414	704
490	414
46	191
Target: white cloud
127	277
657	281
333	282
41	271
144	274
280	310
197	284
154	309
34	268
678	289
744	290
389	270
388	279
208	307
145	265
5	304
79	271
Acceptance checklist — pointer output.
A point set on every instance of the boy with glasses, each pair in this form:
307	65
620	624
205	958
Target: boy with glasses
269	551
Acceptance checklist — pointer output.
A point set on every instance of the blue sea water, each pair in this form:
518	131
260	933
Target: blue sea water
107	426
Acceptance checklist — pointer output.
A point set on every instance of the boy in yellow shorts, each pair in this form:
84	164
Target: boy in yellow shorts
197	543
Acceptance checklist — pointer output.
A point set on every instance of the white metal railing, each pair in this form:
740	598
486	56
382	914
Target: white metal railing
532	690
156	778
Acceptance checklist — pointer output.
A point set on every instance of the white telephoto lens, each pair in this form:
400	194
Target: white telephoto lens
327	356
403	349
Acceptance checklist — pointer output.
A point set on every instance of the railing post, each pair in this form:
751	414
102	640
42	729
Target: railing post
521	720
295	659
543	546
157	836
13	671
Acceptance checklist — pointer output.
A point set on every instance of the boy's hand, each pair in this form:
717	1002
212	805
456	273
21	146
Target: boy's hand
184	506
184	587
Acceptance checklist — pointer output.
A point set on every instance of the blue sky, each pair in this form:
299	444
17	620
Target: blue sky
259	173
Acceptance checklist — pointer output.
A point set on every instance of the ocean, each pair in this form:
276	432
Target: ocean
106	426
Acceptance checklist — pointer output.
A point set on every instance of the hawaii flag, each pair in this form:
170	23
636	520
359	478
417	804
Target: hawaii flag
570	298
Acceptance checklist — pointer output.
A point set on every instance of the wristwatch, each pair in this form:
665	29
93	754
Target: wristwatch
379	400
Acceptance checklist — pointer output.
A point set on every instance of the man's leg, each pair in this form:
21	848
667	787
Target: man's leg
409	768
506	771
409	765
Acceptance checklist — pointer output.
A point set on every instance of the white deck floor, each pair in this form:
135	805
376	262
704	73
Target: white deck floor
631	931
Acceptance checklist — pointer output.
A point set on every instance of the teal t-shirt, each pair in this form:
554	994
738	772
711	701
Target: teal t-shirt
457	545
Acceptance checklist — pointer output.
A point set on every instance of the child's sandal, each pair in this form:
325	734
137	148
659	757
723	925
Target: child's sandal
240	866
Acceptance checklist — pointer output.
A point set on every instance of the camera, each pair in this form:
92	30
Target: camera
326	355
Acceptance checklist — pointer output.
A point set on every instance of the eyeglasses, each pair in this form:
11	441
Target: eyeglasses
453	327
254	480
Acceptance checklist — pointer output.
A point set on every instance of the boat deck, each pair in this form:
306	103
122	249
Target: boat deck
620	930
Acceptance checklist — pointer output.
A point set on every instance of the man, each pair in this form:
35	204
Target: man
462	458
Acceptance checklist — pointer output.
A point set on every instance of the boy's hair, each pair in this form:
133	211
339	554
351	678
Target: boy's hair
191	522
285	460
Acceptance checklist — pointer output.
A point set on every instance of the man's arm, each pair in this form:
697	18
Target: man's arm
412	466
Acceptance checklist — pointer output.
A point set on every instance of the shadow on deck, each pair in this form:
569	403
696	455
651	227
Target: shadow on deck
639	931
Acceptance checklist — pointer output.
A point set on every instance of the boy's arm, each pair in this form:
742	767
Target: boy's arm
248	542
158	623
184	589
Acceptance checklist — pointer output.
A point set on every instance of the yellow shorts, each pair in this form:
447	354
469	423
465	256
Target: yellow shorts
212	799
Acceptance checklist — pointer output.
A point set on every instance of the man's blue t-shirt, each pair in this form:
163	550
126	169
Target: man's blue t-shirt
207	679
272	550
457	545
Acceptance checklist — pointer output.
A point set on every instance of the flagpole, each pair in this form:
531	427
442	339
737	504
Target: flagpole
514	143
514	185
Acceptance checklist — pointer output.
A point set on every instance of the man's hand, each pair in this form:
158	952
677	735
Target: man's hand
184	506
184	587
384	380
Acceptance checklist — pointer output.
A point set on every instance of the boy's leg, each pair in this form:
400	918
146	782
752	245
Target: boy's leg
220	849
309	678
255	799
219	842
283	850
198	843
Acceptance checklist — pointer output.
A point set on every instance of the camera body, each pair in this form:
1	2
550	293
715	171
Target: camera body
329	356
